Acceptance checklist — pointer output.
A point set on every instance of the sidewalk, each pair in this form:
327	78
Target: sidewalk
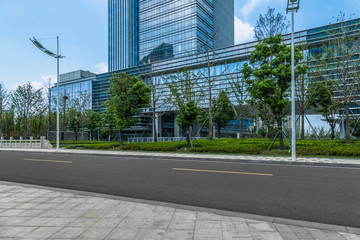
33	212
312	161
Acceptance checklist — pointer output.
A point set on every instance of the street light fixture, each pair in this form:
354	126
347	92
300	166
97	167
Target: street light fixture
57	56
292	6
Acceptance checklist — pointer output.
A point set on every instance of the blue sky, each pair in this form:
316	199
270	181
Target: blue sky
82	27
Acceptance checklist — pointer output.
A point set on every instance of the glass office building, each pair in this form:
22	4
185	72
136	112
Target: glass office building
226	64
122	34
143	31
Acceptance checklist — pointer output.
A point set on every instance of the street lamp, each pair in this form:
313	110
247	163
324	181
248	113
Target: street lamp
292	6
57	56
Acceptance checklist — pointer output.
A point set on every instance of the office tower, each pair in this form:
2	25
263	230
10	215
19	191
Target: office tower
122	34
142	31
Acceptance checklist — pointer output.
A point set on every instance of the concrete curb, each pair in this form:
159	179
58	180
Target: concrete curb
192	158
285	221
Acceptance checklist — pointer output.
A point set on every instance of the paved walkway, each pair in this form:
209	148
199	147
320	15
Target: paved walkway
316	161
31	212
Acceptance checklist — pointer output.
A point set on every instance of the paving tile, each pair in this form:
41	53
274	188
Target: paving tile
14	231
176	234
235	226
261	226
95	233
11	212
59	222
131	222
207	216
69	232
184	215
182	224
95	213
37	221
156	224
150	234
107	222
42	232
266	236
15	221
83	222
123	234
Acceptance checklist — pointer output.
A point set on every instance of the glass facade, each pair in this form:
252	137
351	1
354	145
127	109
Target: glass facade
143	31
176	26
226	64
123	34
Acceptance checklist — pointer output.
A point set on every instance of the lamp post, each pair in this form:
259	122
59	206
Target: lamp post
57	56
292	6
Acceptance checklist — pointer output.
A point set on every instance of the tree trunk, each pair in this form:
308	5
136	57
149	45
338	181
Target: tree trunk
347	123
219	129
302	135
210	123
241	132
154	127
188	144
332	127
121	139
280	133
271	127
110	130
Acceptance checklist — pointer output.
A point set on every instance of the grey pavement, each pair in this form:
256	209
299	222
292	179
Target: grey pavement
33	212
314	161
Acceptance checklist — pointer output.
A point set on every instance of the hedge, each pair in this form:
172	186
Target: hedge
239	146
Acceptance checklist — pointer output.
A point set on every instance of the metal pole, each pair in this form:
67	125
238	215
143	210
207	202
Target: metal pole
293	134
57	103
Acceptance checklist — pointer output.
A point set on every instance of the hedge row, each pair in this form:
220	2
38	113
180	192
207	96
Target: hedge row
240	146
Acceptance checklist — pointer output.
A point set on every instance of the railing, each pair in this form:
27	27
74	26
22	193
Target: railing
25	143
160	139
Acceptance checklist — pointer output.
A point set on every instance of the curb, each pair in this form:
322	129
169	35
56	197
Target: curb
178	156
275	220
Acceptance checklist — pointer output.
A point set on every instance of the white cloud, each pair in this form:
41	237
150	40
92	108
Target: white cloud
244	32
101	67
250	7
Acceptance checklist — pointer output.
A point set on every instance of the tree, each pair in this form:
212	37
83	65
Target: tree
3	101
239	89
271	77
223	111
184	87
188	114
156	102
302	94
341	63
127	95
74	120
109	119
93	121
26	103
270	25
323	92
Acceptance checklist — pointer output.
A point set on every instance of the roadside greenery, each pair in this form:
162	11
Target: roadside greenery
327	148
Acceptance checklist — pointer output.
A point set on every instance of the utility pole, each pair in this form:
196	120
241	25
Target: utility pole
49	114
292	6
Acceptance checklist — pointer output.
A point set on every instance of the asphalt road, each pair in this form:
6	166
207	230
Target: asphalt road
317	194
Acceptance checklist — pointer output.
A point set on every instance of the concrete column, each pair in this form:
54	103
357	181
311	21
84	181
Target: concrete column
1	142
21	142
11	139
31	141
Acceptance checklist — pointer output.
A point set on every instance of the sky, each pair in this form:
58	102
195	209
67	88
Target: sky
82	28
